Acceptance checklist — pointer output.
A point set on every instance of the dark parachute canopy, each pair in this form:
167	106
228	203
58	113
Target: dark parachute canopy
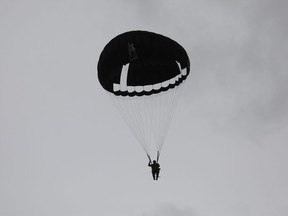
150	69
155	64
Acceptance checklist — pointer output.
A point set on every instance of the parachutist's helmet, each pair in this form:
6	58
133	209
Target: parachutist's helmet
154	161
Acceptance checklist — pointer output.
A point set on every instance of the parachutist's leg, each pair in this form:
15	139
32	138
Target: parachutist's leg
153	174
157	175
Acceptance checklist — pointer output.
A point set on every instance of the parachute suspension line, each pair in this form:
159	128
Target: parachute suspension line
137	115
149	117
156	117
126	110
135	119
139	110
158	112
167	102
173	102
148	121
162	115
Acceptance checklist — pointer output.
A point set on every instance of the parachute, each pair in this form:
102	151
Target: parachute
144	73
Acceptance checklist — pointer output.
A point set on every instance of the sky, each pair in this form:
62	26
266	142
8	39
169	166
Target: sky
65	149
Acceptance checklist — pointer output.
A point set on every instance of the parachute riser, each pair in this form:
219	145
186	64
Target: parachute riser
158	156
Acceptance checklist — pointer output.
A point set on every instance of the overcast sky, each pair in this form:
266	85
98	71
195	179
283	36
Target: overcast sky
66	151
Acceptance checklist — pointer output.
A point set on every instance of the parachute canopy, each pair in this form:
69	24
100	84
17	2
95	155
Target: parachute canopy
143	73
142	63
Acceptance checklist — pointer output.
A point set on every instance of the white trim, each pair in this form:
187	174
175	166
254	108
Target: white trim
123	78
131	89
184	72
179	65
116	87
173	80
157	86
147	88
165	83
139	88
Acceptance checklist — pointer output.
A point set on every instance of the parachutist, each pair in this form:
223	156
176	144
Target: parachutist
155	169
137	67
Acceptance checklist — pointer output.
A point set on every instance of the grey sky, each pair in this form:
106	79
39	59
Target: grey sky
65	150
